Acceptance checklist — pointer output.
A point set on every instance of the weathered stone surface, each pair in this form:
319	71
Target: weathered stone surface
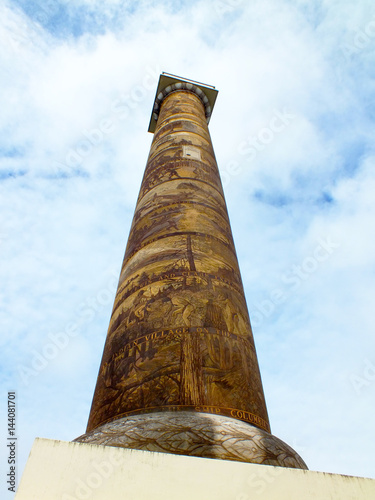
57	470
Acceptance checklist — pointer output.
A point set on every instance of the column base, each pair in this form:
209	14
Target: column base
196	434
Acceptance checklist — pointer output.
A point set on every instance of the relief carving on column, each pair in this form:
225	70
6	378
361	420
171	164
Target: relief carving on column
196	434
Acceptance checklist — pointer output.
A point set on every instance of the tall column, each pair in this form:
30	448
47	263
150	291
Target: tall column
179	371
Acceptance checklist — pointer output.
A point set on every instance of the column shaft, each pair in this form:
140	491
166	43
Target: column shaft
180	336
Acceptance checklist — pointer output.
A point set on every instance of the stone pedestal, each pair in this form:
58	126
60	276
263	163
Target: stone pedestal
59	470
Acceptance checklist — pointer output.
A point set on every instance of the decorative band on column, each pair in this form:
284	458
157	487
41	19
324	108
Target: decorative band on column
243	415
182	86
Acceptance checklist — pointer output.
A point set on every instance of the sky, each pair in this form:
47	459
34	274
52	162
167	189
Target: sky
293	132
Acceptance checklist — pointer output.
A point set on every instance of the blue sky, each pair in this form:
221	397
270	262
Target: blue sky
293	131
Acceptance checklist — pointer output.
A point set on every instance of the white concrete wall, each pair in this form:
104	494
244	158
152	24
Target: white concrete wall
59	470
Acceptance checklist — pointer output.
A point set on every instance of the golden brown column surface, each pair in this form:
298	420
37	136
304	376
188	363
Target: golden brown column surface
179	351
